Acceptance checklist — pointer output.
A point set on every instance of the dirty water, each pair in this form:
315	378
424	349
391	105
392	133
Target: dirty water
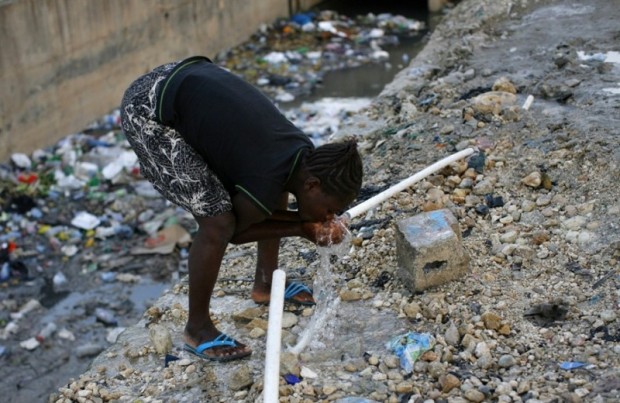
74	307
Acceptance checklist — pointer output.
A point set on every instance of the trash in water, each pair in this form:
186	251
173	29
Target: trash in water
568	365
409	347
46	332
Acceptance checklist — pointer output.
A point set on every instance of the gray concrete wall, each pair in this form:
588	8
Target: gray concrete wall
65	63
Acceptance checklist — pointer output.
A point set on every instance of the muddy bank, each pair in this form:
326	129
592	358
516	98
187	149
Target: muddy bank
536	317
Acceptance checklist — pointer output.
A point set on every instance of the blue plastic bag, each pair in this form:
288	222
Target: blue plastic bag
409	347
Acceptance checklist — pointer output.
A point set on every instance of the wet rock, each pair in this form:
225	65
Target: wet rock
289	364
241	378
505	85
351	295
247	315
289	320
160	338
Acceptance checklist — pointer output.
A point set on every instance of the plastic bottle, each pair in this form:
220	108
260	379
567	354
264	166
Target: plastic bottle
46	332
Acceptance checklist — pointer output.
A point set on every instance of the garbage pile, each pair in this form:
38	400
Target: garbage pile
289	58
74	209
78	216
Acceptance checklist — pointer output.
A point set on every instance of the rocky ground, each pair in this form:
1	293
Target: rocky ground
536	317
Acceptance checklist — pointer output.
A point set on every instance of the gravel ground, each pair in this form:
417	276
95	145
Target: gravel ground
539	215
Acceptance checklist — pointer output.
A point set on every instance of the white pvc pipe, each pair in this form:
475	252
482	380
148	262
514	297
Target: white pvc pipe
274	334
381	197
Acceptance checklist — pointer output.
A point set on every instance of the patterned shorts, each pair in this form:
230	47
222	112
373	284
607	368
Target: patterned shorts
174	168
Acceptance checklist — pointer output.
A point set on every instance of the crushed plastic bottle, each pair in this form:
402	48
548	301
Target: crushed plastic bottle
46	332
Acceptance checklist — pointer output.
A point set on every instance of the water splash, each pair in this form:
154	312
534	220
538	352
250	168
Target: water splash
327	299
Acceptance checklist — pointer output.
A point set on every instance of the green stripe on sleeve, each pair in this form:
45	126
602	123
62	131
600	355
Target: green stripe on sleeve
251	196
163	91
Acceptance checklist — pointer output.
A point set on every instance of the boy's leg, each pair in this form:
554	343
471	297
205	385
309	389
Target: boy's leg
267	263
205	258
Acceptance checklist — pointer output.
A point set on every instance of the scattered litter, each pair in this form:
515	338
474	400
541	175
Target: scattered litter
85	220
308	373
291	379
66	334
30	344
409	347
568	365
46	332
169	358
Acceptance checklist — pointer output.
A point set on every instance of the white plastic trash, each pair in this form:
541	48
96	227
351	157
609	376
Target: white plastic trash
127	159
85	221
21	160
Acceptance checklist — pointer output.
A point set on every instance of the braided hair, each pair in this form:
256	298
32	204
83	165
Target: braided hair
339	168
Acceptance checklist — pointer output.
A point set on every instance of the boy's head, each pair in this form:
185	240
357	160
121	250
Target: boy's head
334	180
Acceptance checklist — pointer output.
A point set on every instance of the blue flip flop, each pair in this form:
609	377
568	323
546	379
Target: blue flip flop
295	288
222	340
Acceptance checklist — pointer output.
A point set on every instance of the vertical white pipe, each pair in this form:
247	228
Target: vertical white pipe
274	335
381	197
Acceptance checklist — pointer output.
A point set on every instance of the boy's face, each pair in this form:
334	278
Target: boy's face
318	206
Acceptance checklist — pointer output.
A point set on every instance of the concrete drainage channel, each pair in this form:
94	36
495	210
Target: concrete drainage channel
76	270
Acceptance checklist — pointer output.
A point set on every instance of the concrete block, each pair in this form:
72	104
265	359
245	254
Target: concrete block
429	250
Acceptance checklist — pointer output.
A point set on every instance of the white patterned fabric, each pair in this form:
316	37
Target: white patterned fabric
166	160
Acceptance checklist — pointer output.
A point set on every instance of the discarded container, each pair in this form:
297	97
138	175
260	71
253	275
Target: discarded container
409	347
46	332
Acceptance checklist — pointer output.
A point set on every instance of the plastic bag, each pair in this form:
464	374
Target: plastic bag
409	347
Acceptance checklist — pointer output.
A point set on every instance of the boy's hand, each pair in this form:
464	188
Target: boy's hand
326	233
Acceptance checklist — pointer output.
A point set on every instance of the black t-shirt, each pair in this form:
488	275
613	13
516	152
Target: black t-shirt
242	136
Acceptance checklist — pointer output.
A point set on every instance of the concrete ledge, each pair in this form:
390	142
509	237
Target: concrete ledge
64	64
